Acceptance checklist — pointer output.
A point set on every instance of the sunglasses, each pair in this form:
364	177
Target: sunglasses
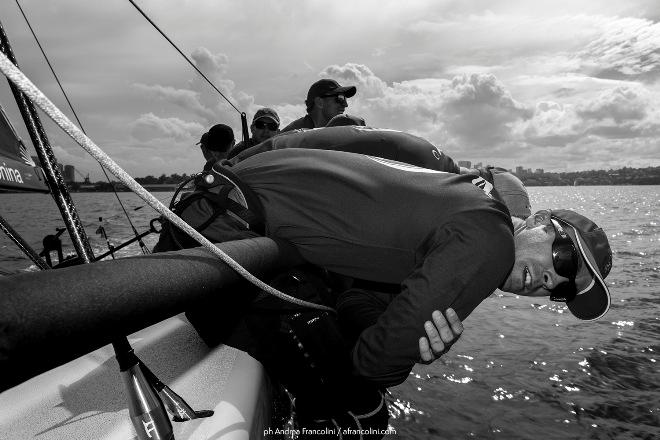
341	99
565	262
272	126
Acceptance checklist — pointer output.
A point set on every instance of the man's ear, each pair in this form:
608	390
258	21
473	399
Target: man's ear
318	102
541	217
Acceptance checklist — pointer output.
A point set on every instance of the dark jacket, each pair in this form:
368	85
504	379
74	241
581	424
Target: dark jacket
304	122
440	236
240	147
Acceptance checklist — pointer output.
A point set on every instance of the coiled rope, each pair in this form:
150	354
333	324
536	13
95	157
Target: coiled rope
26	86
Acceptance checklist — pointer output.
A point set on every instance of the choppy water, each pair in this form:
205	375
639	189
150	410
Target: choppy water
527	369
524	368
34	216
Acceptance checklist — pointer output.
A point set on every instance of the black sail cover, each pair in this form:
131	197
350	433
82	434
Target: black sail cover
18	172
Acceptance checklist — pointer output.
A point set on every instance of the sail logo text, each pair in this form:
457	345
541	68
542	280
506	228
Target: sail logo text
485	185
10	174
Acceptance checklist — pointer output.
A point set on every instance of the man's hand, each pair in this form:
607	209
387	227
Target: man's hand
441	333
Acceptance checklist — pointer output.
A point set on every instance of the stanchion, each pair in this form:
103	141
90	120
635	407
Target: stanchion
146	410
176	406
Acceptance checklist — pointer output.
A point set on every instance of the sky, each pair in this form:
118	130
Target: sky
558	85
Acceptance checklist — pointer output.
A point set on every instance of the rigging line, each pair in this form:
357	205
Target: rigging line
183	55
35	95
43	52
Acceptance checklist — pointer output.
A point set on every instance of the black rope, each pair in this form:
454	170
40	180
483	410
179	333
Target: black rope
144	248
183	55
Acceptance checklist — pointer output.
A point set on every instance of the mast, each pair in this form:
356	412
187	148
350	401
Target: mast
54	178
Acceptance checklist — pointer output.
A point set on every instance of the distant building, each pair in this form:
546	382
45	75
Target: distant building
465	163
69	173
539	171
478	165
520	170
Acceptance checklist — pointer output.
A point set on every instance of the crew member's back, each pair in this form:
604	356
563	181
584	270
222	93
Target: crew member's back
380	220
381	142
399	146
360	215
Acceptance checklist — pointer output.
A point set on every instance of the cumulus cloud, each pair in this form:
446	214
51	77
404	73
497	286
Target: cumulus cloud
465	113
172	134
186	99
619	104
150	127
622	112
215	67
480	109
212	65
552	124
369	84
477	116
199	99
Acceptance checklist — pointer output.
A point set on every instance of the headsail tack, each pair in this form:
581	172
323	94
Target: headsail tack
18	172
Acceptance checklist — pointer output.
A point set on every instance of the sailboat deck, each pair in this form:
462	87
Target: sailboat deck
85	398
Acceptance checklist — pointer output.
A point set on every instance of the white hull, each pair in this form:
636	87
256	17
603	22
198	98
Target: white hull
85	399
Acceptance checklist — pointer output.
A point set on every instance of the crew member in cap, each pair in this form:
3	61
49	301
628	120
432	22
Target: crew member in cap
423	249
265	125
325	100
217	142
439	240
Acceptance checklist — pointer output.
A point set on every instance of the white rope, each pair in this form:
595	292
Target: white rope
36	96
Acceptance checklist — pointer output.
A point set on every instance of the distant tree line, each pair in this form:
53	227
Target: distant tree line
622	176
163	179
105	186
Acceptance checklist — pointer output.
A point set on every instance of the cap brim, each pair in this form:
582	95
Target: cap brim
347	91
267	117
593	301
350	91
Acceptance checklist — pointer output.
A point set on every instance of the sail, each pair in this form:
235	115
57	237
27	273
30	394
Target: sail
18	172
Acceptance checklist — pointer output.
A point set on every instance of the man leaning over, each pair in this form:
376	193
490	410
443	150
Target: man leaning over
416	242
440	237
